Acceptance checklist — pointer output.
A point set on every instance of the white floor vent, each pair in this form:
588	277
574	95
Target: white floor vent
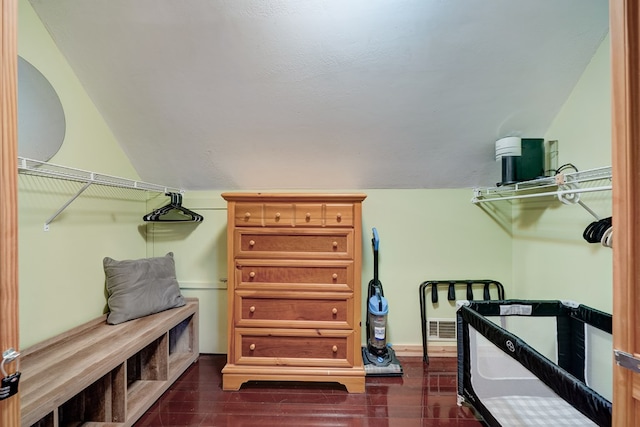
442	329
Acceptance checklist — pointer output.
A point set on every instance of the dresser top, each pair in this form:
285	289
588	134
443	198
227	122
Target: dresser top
294	197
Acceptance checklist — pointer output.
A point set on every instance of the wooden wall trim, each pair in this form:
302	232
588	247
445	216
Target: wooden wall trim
625	104
9	408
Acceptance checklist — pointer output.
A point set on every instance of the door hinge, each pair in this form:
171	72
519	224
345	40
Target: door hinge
627	360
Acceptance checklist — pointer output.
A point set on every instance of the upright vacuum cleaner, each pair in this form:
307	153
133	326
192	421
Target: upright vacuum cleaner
378	356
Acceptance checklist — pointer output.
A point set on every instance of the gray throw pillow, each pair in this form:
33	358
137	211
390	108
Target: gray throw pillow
137	288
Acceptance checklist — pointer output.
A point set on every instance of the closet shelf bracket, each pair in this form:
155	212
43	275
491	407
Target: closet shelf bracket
63	207
49	170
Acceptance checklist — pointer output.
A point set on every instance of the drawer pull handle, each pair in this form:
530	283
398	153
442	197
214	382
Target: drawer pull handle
252	347
252	274
252	242
335	349
277	215
335	244
335	276
308	216
247	215
334	311
252	309
338	216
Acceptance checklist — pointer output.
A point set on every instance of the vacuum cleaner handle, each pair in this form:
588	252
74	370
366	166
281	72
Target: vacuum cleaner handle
375	240
376	243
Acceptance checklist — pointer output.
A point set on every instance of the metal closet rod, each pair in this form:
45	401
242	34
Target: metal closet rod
39	168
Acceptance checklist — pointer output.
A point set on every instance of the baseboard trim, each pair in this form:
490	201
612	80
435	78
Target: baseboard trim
432	351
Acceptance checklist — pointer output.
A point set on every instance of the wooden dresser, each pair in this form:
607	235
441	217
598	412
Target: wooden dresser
294	265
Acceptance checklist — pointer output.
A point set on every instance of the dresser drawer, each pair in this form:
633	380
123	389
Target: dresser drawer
329	310
338	215
248	215
299	243
294	214
284	347
294	275
264	214
278	214
309	215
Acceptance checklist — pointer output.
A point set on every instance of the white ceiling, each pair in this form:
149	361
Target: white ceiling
324	94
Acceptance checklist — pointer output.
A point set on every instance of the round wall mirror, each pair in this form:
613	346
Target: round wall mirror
41	122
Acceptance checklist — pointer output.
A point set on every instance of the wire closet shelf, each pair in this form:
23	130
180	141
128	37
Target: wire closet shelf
561	185
49	170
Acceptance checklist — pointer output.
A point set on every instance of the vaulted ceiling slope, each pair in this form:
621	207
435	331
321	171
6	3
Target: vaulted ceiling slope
324	94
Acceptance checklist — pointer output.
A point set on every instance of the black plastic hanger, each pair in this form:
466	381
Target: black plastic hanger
173	212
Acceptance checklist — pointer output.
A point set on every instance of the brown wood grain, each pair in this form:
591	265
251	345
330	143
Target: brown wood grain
9	329
625	104
294	297
108	373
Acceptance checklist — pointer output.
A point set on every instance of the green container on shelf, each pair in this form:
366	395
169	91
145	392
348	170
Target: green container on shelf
530	164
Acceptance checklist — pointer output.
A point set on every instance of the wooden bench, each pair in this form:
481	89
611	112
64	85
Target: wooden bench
101	374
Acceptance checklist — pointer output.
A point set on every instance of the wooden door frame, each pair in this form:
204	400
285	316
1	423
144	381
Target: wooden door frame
624	18
9	408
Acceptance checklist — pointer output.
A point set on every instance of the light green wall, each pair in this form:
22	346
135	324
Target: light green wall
551	259
60	271
429	235
200	253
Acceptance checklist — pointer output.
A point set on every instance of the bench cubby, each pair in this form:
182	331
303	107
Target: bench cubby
99	374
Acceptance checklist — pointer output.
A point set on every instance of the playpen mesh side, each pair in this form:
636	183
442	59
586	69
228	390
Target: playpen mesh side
510	383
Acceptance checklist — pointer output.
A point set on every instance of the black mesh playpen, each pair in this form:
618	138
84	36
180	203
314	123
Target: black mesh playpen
510	383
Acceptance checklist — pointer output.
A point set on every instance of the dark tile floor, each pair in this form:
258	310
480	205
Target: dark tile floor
424	396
